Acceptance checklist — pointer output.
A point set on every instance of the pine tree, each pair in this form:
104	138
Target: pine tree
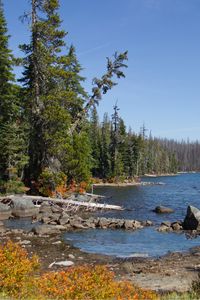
54	91
94	134
116	157
12	147
105	158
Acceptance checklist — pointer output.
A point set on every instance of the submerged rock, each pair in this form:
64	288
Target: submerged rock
192	219
163	210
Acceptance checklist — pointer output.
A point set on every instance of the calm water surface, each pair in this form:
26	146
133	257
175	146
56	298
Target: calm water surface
177	192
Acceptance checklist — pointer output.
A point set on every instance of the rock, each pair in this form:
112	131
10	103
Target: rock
25	242
45	229
71	256
17	231
45	208
147	223
64	220
164	228
2	230
56	209
1	224
5	211
137	224
46	220
163	210
76	224
23	207
89	224
57	243
176	226
120	223
64	263
128	224
166	223
60	227
104	223
192	219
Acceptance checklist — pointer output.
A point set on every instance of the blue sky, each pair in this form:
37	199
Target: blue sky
162	84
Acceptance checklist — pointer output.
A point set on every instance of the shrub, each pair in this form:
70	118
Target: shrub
51	183
15	186
19	281
16	269
89	283
196	286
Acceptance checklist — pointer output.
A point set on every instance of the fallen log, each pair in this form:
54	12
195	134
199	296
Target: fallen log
70	202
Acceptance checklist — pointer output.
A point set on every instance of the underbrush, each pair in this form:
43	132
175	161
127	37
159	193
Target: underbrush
19	280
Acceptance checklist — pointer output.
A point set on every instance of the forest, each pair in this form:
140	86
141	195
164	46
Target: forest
51	138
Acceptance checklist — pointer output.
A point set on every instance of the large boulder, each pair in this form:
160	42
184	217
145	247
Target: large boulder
5	211
163	210
192	219
22	207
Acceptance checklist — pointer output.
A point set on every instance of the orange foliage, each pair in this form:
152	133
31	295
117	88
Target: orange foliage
89	283
15	269
17	279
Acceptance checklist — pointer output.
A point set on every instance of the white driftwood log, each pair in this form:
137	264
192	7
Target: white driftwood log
70	202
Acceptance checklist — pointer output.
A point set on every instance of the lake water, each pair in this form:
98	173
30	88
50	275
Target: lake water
176	192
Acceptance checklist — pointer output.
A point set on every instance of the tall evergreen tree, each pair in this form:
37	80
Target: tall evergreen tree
12	148
94	134
54	91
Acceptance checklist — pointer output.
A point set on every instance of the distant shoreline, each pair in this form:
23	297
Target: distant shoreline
118	184
126	184
160	175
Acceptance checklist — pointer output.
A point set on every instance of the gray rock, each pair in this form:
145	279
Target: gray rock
128	224
164	228
2	230
147	223
76	224
64	220
5	211
45	229
89	224
56	209
176	226
163	210
45	208
166	223
104	223
22	207
137	224
46	220
192	219
120	223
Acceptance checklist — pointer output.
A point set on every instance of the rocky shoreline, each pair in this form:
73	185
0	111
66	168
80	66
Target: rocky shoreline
173	272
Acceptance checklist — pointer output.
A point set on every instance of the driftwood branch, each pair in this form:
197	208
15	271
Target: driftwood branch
69	202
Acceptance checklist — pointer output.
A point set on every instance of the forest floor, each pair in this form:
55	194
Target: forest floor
173	272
